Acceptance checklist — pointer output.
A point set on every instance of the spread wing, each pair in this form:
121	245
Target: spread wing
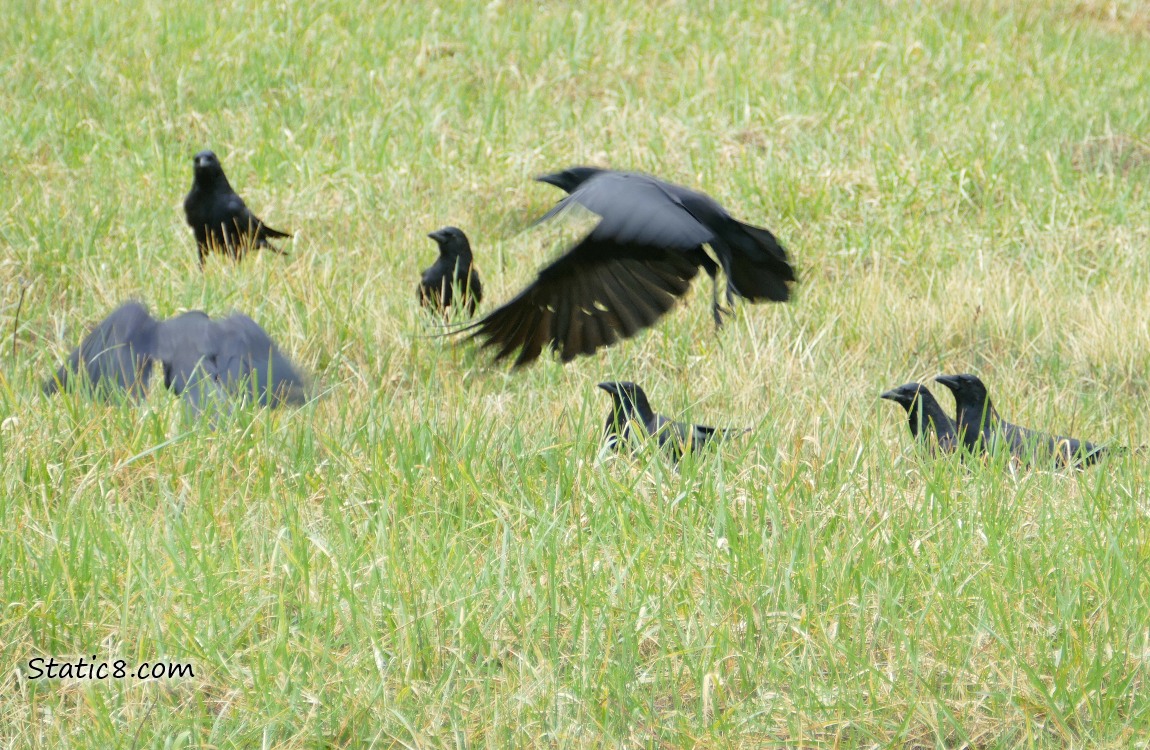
248	361
589	298
185	345
116	354
232	356
640	209
636	209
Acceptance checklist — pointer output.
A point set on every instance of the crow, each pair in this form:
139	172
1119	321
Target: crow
629	405
452	269
219	218
926	417
200	357
982	431
630	269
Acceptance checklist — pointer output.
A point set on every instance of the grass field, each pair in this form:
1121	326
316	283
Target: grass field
431	553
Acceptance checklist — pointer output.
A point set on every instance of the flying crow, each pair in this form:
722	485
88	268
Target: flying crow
629	270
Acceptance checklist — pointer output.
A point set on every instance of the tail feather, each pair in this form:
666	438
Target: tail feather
721	433
266	231
768	243
1123	450
758	267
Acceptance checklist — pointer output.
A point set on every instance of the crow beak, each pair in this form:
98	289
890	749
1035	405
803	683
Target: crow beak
889	396
949	381
610	388
550	179
436	235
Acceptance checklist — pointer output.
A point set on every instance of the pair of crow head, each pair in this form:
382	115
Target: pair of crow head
967	388
970	397
971	400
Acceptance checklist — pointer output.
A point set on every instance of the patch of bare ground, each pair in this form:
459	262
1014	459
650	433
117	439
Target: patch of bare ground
1115	152
1116	16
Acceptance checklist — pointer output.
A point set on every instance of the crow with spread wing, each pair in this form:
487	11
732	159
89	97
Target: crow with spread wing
632	267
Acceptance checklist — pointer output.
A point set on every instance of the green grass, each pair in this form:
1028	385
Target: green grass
431	553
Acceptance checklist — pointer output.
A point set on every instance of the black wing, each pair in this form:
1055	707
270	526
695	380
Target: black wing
1053	451
474	290
701	435
248	361
185	344
233	356
116	354
237	216
636	209
590	297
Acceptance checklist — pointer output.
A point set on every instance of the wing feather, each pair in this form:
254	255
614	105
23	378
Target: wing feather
587	299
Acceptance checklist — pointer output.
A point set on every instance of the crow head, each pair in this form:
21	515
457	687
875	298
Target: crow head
452	243
967	388
207	168
629	399
905	394
569	179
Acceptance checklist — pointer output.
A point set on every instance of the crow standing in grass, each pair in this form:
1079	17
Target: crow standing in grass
219	218
928	422
629	405
630	269
200	357
981	431
451	274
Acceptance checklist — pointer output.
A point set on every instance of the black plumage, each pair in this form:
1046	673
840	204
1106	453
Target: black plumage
219	218
929	424
981	430
230	357
629	270
629	407
452	276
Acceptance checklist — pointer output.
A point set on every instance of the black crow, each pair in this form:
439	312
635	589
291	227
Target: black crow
200	356
928	422
451	274
629	405
629	270
981	431
219	218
